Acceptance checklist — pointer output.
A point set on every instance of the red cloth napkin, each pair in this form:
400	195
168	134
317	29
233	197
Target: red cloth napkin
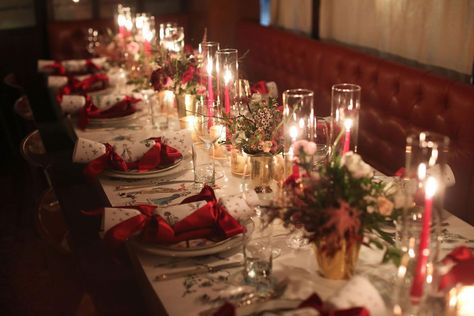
91	83
462	270
210	221
56	67
259	87
119	109
313	301
159	155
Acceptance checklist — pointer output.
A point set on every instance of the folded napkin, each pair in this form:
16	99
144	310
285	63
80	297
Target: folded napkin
143	156
458	267
307	307
124	107
73	103
209	220
71	66
78	84
265	88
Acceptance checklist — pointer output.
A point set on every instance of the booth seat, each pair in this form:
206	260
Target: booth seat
68	39
396	99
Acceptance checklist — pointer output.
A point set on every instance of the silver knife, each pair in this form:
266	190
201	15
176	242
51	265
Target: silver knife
197	270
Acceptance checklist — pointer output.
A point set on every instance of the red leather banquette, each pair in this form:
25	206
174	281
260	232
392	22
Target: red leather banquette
396	99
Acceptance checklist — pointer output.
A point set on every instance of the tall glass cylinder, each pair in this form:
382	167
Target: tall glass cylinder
207	51
172	37
345	106
298	115
418	277
227	67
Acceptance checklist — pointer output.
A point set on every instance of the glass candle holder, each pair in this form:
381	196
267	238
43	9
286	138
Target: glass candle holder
345	106
418	277
298	115
227	68
207	52
172	37
124	20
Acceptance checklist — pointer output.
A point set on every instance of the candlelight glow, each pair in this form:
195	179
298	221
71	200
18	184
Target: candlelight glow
148	34
121	20
465	301
139	21
293	132
227	77
431	187
421	171
301	123
348	124
209	66
128	24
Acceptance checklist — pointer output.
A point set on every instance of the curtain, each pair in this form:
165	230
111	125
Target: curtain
296	15
433	32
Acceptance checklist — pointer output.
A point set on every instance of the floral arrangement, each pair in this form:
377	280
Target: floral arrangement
340	201
258	127
179	72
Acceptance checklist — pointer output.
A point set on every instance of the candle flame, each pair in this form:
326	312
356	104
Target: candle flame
431	187
121	20
128	24
348	124
421	171
464	300
293	132
227	77
301	123
148	34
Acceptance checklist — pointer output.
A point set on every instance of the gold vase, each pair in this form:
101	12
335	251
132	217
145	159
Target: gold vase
186	104
340	266
261	172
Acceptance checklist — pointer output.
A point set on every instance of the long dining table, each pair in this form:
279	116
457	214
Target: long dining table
188	294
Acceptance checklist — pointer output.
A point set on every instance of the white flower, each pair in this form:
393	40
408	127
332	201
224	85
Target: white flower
256	97
356	166
310	148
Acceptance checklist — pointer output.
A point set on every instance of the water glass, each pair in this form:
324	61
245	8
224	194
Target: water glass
345	106
203	164
258	254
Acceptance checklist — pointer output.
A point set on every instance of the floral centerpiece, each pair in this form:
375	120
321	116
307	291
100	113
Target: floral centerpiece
258	127
340	205
179	73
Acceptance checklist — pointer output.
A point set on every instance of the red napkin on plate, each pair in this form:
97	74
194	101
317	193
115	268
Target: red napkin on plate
461	260
313	301
210	221
259	87
159	155
122	108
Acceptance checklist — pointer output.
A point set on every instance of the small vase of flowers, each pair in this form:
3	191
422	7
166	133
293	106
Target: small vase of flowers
341	206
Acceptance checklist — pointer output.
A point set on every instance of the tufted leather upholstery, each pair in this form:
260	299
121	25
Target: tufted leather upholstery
68	39
396	99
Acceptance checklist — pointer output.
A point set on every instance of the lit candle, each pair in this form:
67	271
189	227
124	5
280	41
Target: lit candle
148	37
465	303
121	20
347	137
423	250
210	92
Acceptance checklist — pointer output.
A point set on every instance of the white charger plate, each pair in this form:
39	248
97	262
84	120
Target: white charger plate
203	247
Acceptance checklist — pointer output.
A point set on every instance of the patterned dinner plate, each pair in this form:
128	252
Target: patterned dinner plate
177	166
197	247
